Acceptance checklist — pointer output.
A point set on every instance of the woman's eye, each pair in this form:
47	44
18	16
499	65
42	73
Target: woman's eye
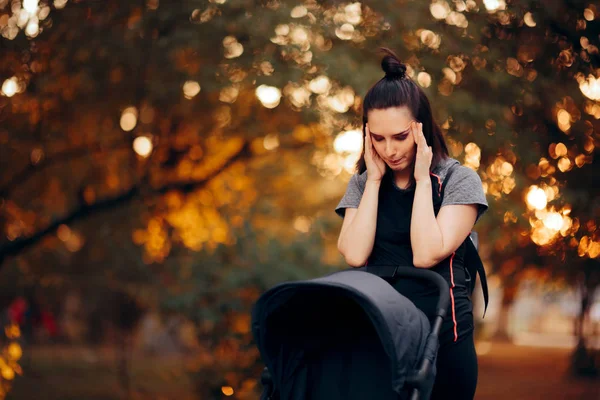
403	137
377	139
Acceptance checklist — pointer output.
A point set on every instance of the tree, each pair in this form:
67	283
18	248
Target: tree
177	124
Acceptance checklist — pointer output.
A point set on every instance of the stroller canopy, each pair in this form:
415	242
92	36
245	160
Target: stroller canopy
345	326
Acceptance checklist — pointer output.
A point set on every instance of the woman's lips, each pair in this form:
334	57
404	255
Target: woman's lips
396	162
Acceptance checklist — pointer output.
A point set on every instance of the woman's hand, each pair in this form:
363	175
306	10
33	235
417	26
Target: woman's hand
424	153
375	164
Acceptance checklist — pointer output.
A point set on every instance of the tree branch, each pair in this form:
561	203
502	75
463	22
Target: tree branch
60	157
85	210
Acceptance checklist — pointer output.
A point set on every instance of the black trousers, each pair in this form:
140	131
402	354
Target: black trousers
456	370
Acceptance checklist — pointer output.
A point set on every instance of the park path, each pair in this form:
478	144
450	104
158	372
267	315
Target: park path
506	372
514	372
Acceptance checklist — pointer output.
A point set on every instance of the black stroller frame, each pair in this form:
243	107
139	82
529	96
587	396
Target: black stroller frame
418	379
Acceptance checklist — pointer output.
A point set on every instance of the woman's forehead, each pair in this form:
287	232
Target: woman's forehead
389	120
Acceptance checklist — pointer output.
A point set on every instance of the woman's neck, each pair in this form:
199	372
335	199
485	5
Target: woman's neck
403	179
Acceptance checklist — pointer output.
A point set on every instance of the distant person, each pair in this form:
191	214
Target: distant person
396	214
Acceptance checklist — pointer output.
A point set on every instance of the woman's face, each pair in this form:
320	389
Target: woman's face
392	137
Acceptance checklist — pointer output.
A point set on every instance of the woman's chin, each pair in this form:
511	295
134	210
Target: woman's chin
397	166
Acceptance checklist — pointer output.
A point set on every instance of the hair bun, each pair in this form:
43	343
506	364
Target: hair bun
393	68
391	64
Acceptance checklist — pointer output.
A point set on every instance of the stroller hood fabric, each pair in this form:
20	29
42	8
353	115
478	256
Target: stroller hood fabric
293	321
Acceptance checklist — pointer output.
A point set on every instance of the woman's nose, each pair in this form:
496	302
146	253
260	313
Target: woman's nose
389	149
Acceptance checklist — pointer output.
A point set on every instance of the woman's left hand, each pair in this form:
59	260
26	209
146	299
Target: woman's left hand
424	153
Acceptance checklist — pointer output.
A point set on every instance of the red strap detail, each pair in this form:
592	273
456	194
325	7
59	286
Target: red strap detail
452	297
439	182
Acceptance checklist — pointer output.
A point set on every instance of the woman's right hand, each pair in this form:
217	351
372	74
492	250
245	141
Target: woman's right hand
375	164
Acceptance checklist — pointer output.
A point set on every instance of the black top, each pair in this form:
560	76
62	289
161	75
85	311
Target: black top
392	246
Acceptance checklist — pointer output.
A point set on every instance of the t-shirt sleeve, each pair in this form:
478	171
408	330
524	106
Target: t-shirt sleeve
464	187
352	197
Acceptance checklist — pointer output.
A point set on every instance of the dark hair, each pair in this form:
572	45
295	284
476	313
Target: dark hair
396	89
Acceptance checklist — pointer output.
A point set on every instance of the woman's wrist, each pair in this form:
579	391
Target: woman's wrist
423	182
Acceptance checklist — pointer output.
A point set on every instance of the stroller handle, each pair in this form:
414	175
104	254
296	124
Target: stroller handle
390	273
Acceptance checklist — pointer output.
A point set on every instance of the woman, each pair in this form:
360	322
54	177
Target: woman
395	213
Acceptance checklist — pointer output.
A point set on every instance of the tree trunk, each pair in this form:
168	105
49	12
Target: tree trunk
584	360
508	297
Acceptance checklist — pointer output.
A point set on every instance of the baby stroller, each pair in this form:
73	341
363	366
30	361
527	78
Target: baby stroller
348	335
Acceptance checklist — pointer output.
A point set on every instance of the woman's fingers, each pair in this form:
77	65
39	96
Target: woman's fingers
415	132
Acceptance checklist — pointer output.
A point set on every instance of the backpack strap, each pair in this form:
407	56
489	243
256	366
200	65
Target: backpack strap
472	259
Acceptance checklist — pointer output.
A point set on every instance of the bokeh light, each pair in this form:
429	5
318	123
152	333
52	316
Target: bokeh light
424	79
439	9
529	21
191	89
589	86
227	390
536	198
233	48
320	85
10	87
348	141
269	96
129	119
494	5
142	145
472	155
271	141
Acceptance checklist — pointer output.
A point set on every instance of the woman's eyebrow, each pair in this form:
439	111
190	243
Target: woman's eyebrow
404	132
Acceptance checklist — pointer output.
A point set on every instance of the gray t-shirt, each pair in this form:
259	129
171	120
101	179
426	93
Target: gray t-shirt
463	187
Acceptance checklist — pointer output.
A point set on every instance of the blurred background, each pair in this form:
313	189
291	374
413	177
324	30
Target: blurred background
164	162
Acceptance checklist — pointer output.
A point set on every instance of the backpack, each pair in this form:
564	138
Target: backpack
473	263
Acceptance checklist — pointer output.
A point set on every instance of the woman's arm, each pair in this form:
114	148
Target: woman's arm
433	239
358	229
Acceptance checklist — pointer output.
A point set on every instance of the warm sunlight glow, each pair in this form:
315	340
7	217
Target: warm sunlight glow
58	4
494	5
299	12
529	21
302	224
129	119
14	351
142	145
348	142
353	13
233	48
536	198
271	141
269	96
342	101
227	390
345	31
10	87
424	79
191	89
320	85
564	120
472	155
553	220
430	39
439	9
590	87
32	29
31	6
